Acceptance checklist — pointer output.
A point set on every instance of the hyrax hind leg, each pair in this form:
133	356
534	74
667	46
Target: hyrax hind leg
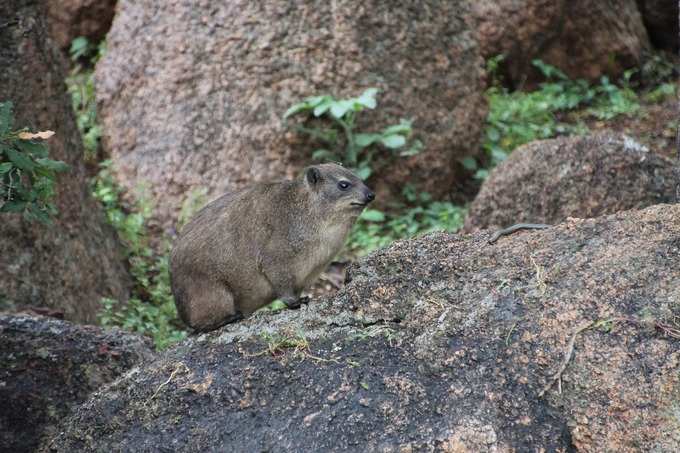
211	305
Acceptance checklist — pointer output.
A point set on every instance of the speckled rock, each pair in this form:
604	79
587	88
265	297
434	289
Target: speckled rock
69	19
192	94
442	343
661	18
585	39
70	265
47	366
547	181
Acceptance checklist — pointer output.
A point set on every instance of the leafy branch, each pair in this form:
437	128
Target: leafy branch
360	147
27	174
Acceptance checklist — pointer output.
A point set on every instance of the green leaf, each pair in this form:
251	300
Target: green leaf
6	118
316	100
367	99
79	47
372	215
323	106
54	165
323	154
412	150
364	140
403	128
364	172
469	163
35	213
297	108
481	174
393	141
5	167
20	160
13	206
31	148
340	108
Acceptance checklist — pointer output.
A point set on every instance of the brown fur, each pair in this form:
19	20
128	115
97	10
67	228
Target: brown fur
268	241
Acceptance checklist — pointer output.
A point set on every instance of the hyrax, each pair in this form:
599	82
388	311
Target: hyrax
268	241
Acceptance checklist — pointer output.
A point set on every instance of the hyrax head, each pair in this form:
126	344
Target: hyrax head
338	188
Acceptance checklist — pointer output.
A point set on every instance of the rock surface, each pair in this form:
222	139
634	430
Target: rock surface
585	39
661	18
69	265
547	181
69	19
196	98
442	343
47	366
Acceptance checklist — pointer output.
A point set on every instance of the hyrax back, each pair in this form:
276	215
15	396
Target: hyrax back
261	243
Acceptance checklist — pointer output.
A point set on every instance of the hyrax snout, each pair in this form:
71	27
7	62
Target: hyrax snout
268	241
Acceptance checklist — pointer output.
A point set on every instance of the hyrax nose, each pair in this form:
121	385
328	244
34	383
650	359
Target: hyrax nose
370	196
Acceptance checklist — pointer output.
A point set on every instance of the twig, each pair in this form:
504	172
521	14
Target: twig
672	332
179	367
540	277
520	226
507	337
10	186
567	357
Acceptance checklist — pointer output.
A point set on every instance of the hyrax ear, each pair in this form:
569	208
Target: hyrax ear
313	175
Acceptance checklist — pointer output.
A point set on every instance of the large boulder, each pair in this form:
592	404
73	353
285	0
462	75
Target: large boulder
585	39
74	262
560	340
581	176
661	18
47	366
196	99
69	19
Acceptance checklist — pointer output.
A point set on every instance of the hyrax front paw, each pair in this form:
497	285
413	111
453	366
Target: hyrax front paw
294	304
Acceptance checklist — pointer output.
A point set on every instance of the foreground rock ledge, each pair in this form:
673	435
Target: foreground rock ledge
439	343
48	365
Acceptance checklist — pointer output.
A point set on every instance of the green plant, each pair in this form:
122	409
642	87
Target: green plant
657	70
376	229
80	84
359	147
516	118
611	100
151	309
661	93
27	174
197	198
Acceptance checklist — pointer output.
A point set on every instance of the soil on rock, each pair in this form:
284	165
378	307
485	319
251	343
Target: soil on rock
71	264
580	176
200	104
583	38
47	366
439	343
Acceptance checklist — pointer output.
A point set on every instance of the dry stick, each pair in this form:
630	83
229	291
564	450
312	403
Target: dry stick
567	357
179	367
665	328
672	332
519	226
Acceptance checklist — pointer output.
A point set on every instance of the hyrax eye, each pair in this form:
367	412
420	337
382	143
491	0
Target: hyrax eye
344	185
